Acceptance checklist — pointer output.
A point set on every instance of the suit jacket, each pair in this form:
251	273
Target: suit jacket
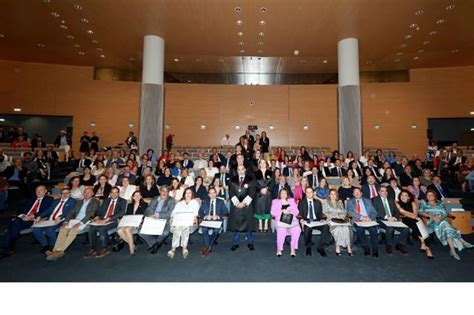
378	205
351	206
221	208
276	189
334	171
141	208
405	180
109	162
438	193
91	210
189	165
87	162
327	172
276	209
375	171
303	208
68	206
286	171
8	172
166	210
57	142
119	211
227	178
45	204
366	189
310	178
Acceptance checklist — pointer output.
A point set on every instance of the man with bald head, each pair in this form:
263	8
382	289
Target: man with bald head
25	219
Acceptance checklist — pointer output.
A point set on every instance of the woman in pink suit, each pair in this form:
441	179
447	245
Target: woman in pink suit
286	205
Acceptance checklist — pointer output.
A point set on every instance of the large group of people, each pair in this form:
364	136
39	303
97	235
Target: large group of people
248	187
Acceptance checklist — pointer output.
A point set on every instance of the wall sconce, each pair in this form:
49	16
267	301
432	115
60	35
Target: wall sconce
305	127
93	124
271	127
413	126
237	127
377	126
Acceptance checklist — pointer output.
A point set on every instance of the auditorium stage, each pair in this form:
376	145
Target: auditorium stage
27	264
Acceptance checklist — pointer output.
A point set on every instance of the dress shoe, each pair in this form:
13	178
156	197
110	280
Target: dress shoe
366	251
402	249
90	253
234	247
375	253
55	255
388	250
251	247
6	253
118	246
205	251
278	255
293	255
102	253
322	252
155	248
308	251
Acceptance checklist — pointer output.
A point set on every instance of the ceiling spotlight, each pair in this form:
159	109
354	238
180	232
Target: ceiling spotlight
90	32
263	9
93	124
240	34
95	41
241	44
239	22
455	51
419	12
102	56
40	45
203	127
325	61
261	34
440	21
99	49
420	51
176	59
262	22
70	37
131	125
408	36
413	25
377	126
433	33
78	7
81	53
77	45
399	53
413	126
450	7
426	42
64	27
296	52
237	9
305	127
84	20
55	14
17	109
403	45
271	127
237	127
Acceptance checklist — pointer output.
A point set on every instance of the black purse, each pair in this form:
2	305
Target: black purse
286	217
336	220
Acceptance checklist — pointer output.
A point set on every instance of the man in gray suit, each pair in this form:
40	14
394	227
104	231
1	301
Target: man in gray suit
84	210
160	208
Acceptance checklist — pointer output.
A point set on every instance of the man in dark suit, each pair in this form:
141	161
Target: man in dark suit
338	170
82	162
288	169
314	178
311	210
51	156
373	168
212	209
407	177
323	170
281	184
371	188
439	188
160	208
131	140
16	174
111	210
187	163
387	211
362	210
58	210
25	219
223	176
417	169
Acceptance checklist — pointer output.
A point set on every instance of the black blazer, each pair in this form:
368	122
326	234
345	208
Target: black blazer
227	178
120	208
303	208
9	171
276	188
378	205
405	180
106	191
438	193
310	178
334	171
140	210
374	171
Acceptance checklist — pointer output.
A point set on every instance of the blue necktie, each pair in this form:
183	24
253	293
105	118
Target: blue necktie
311	216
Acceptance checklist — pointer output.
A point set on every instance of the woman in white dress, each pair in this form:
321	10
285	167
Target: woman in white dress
183	209
77	190
342	232
127	190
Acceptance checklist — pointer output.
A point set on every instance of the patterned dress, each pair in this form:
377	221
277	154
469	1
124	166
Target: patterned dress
443	229
342	233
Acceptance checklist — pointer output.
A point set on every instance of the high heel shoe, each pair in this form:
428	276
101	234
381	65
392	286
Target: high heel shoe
171	254
455	255
467	245
429	254
338	254
185	253
278	254
350	254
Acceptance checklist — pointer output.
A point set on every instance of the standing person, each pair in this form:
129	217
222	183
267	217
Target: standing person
131	141
64	142
85	141
286	206
94	142
169	141
263	202
242	193
265	145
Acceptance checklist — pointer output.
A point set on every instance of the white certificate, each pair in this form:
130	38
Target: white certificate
423	230
100	224
131	220
331	223
46	223
247	200
73	222
457	210
152	226
211	224
315	224
366	224
398	224
185	219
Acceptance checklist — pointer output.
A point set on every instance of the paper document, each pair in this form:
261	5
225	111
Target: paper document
131	220
211	224
315	223
100	224
423	230
46	223
395	224
247	200
73	222
152	226
185	219
366	224
457	210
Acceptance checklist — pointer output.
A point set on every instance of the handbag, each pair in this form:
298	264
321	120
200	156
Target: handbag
337	220
286	218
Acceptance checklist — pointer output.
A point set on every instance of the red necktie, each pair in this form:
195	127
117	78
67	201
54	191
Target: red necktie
57	211
110	212
357	210
373	192
34	209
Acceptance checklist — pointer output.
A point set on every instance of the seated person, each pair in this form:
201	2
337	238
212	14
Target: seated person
102	188
281	184
87	179
25	219
83	211
111	210
439	188
136	207
126	190
148	189
58	210
212	208
286	205
165	179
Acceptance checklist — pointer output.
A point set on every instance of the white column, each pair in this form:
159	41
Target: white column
151	102
350	118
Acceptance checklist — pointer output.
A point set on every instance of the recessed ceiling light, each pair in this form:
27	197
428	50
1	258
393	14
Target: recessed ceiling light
262	22
440	21
239	22
176	59
55	14
450	7
419	12
408	36
93	124
416	58
84	20
237	9
99	49
91	32
261	34
377	126
81	53
240	34
64	27
77	45
397	60
325	61
403	45
241	44
78	7
413	25
17	109
305	127
242	51
237	127
433	33
95	41
63	22
420	51
413	126
263	9
102	56
41	45
271	127
296	52
203	127
454	51
399	53
426	42
70	37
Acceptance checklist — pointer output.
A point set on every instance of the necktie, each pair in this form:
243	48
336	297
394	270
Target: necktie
387	207
290	171
57	211
281	187
339	172
357	209
34	209
441	190
311	211
223	180
213	208
373	192
110	211
315	181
